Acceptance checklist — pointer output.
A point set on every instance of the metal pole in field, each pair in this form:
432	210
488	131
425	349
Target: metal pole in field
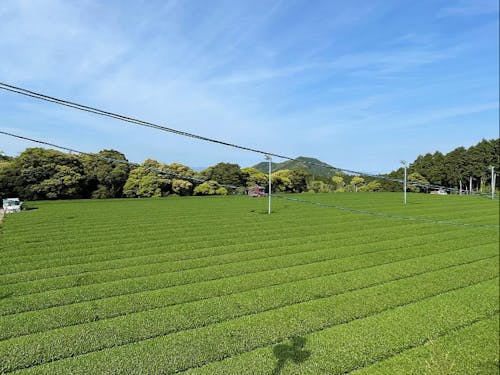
268	158
404	186
492	182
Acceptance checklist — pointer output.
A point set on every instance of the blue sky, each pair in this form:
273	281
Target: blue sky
358	84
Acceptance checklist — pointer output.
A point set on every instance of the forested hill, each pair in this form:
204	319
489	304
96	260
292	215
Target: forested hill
469	166
300	163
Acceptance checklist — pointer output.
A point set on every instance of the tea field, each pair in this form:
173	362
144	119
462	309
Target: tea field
357	283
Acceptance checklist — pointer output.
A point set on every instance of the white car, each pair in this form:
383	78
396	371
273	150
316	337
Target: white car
439	192
11	205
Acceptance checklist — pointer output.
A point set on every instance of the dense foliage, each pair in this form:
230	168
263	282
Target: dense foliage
225	174
469	168
112	287
47	174
104	179
44	174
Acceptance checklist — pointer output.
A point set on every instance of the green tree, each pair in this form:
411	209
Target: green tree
280	182
481	157
338	183
179	169
431	167
298	178
210	188
388	185
356	181
66	182
182	187
224	174
371	186
105	179
146	181
9	176
318	187
455	167
254	177
291	181
418	179
48	174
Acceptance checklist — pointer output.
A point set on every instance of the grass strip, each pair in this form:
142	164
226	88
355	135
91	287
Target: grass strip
102	222
171	250
11	305
391	216
197	346
128	238
156	254
346	347
383	266
470	350
161	265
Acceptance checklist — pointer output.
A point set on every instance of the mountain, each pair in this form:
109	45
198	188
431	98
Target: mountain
301	163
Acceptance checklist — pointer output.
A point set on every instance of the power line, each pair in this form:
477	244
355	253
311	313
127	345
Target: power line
81	107
97	111
85	108
111	160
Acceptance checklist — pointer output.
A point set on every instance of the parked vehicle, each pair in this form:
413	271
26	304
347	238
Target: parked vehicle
439	192
11	205
257	191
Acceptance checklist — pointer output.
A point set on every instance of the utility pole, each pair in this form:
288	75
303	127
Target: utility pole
493	182
268	158
404	186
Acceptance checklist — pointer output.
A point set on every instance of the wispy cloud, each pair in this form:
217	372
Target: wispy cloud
427	119
290	77
377	62
470	8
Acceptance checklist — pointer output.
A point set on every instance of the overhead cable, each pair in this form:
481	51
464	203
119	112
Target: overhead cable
112	160
235	187
85	108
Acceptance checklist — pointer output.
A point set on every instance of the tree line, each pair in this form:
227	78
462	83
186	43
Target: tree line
39	173
465	169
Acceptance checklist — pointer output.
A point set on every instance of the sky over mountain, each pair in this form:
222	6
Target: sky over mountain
358	84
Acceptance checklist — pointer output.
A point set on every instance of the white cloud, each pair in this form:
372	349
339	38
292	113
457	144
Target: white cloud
243	72
470	8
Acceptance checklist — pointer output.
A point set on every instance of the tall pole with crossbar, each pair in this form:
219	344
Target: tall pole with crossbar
269	159
493	182
404	184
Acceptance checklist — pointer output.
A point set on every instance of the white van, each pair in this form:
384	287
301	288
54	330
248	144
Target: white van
12	205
